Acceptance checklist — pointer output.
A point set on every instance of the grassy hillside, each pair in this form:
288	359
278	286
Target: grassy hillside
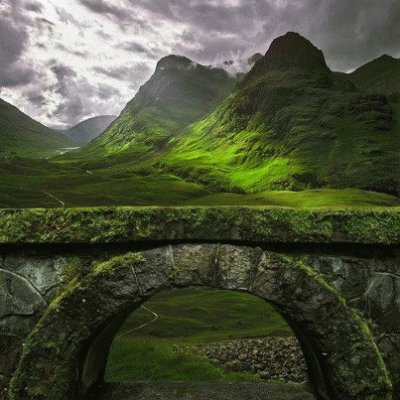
21	135
292	124
41	183
188	316
179	93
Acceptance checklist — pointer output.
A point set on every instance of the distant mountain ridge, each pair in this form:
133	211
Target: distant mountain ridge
89	129
179	93
293	124
290	123
20	135
381	75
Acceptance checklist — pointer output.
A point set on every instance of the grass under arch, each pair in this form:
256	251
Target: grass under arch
189	317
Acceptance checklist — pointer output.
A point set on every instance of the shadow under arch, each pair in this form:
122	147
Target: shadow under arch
66	354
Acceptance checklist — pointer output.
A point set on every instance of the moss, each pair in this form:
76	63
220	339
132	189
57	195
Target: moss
310	271
71	270
365	329
114	265
41	350
382	379
250	224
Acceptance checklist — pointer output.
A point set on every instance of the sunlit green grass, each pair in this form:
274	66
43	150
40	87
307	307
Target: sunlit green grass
28	183
317	198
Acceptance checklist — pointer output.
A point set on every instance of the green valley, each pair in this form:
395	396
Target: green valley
289	133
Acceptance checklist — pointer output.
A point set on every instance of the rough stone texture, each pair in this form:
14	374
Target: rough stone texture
27	283
272	358
73	334
42	272
372	285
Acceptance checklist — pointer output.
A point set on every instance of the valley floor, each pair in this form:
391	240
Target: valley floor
41	183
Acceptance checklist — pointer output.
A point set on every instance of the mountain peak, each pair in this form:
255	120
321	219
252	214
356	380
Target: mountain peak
292	52
386	60
174	62
381	64
254	58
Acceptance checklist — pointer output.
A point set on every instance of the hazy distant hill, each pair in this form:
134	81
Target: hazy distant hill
89	129
23	136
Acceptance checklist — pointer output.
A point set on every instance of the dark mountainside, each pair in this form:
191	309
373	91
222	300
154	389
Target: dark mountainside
89	129
293	124
254	58
179	93
381	75
21	135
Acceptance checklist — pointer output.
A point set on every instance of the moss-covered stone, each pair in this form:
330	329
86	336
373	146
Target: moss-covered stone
65	354
250	224
53	351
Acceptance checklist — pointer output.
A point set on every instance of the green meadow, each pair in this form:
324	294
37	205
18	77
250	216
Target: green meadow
187	317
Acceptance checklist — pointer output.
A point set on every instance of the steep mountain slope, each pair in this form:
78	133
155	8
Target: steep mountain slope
179	93
293	124
378	76
89	129
22	136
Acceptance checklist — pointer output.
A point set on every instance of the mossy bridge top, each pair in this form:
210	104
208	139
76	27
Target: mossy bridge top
227	224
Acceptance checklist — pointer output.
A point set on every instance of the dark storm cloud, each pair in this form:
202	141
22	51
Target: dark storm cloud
106	92
104	7
129	73
367	30
66	49
349	32
36	98
13	72
34	6
137	48
67	17
213	27
73	91
122	16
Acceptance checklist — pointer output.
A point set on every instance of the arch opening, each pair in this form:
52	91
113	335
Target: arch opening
66	349
206	335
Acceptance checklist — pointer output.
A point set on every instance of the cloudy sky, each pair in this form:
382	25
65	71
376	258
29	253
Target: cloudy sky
64	61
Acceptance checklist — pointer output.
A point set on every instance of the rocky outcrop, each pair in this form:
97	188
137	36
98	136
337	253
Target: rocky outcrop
272	358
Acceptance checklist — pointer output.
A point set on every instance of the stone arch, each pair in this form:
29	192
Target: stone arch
65	355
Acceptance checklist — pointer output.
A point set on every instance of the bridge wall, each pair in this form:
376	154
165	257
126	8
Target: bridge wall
356	252
367	277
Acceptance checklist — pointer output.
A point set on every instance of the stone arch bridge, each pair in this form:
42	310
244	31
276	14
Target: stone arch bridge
69	278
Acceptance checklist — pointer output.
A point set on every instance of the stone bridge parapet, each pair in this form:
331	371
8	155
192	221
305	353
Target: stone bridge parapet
68	278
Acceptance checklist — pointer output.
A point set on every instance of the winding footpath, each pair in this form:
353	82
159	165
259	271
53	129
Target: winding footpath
154	319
